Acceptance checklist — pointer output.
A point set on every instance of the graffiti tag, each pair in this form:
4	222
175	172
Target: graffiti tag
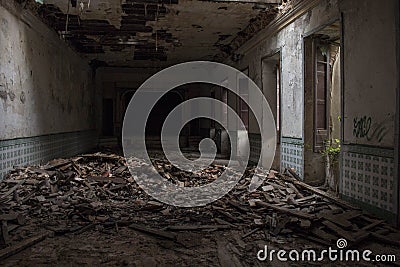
363	128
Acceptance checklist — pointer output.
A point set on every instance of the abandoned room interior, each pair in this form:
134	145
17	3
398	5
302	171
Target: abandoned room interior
319	170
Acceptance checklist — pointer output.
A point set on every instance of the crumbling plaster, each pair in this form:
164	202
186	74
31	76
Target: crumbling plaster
369	77
290	43
198	29
99	9
45	87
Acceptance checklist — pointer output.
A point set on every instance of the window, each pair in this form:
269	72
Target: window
321	86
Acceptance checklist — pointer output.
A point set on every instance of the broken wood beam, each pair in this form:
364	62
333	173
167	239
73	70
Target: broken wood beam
250	233
9	192
336	200
341	219
198	227
372	225
4	236
338	230
16	217
296	191
287	211
385	239
237	206
151	231
293	173
12	250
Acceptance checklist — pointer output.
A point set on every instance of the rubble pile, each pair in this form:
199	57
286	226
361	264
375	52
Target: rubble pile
69	196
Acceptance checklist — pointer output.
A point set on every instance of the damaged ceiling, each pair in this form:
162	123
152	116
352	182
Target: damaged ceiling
135	33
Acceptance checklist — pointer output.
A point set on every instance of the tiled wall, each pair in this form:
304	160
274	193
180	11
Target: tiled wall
39	149
292	154
368	176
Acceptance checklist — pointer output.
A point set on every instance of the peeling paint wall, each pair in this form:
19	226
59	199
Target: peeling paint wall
369	72
370	82
369	79
45	87
290	41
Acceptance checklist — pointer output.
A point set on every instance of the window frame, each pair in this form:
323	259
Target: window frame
320	135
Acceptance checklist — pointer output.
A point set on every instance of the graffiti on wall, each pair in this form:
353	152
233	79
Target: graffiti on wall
363	127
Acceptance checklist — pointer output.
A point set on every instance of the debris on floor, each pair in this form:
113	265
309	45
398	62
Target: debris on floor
97	192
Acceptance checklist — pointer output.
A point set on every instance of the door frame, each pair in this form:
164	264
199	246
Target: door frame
275	52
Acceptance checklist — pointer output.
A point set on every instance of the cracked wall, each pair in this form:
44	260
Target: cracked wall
367	164
45	87
370	92
370	83
290	42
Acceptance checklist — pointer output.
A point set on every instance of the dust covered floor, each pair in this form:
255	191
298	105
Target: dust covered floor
88	210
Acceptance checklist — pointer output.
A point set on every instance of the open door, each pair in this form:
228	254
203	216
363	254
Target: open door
322	106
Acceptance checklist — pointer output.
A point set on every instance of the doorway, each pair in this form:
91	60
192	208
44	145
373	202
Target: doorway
108	117
271	87
322	106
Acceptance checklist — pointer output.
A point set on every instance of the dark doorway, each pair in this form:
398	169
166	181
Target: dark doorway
160	112
108	117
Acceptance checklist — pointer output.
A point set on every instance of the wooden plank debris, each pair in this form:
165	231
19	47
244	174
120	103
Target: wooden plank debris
280	225
198	227
287	211
250	233
340	231
97	192
324	194
384	239
341	219
154	232
16	217
12	250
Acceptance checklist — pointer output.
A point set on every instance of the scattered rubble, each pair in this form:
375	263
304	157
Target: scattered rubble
97	191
